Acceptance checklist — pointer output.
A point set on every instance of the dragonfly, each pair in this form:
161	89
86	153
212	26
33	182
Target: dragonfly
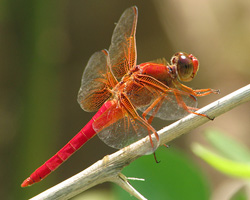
115	86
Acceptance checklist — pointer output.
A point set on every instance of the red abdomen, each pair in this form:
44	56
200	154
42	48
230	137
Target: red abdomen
86	133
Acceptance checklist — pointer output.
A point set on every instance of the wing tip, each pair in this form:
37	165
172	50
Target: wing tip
135	9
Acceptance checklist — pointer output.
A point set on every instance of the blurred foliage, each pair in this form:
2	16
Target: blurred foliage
227	146
240	195
231	157
95	195
175	177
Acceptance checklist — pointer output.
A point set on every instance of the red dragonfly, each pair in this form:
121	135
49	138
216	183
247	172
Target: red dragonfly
116	86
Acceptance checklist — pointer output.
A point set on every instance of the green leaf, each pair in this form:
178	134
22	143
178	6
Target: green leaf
241	194
233	168
229	147
175	177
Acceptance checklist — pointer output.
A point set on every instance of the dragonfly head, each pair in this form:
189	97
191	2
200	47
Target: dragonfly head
186	65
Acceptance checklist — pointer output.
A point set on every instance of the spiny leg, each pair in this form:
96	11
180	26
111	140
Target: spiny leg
156	159
158	102
131	110
204	92
198	92
188	109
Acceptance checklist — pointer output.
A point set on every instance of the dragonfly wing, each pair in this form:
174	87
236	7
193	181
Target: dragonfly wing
158	100
169	108
117	128
140	95
123	45
97	80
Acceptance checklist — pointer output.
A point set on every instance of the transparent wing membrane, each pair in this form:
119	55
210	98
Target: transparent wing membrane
123	46
168	108
124	132
117	128
97	80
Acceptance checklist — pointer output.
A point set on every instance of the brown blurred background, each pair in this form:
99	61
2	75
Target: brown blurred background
45	45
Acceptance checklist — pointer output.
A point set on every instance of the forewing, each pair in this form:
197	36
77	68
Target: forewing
123	45
95	83
139	94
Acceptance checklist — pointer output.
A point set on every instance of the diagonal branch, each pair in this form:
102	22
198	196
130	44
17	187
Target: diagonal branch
108	169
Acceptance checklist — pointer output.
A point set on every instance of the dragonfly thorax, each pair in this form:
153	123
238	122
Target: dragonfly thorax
162	72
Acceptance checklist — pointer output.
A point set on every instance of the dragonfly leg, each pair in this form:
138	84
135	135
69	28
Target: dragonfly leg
156	158
133	113
156	104
188	109
204	92
199	92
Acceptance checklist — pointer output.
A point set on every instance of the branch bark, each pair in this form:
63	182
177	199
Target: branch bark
108	169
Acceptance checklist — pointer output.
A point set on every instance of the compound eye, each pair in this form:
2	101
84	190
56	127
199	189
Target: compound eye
187	66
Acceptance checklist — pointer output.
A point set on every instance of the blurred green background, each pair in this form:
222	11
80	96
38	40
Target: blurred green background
44	47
